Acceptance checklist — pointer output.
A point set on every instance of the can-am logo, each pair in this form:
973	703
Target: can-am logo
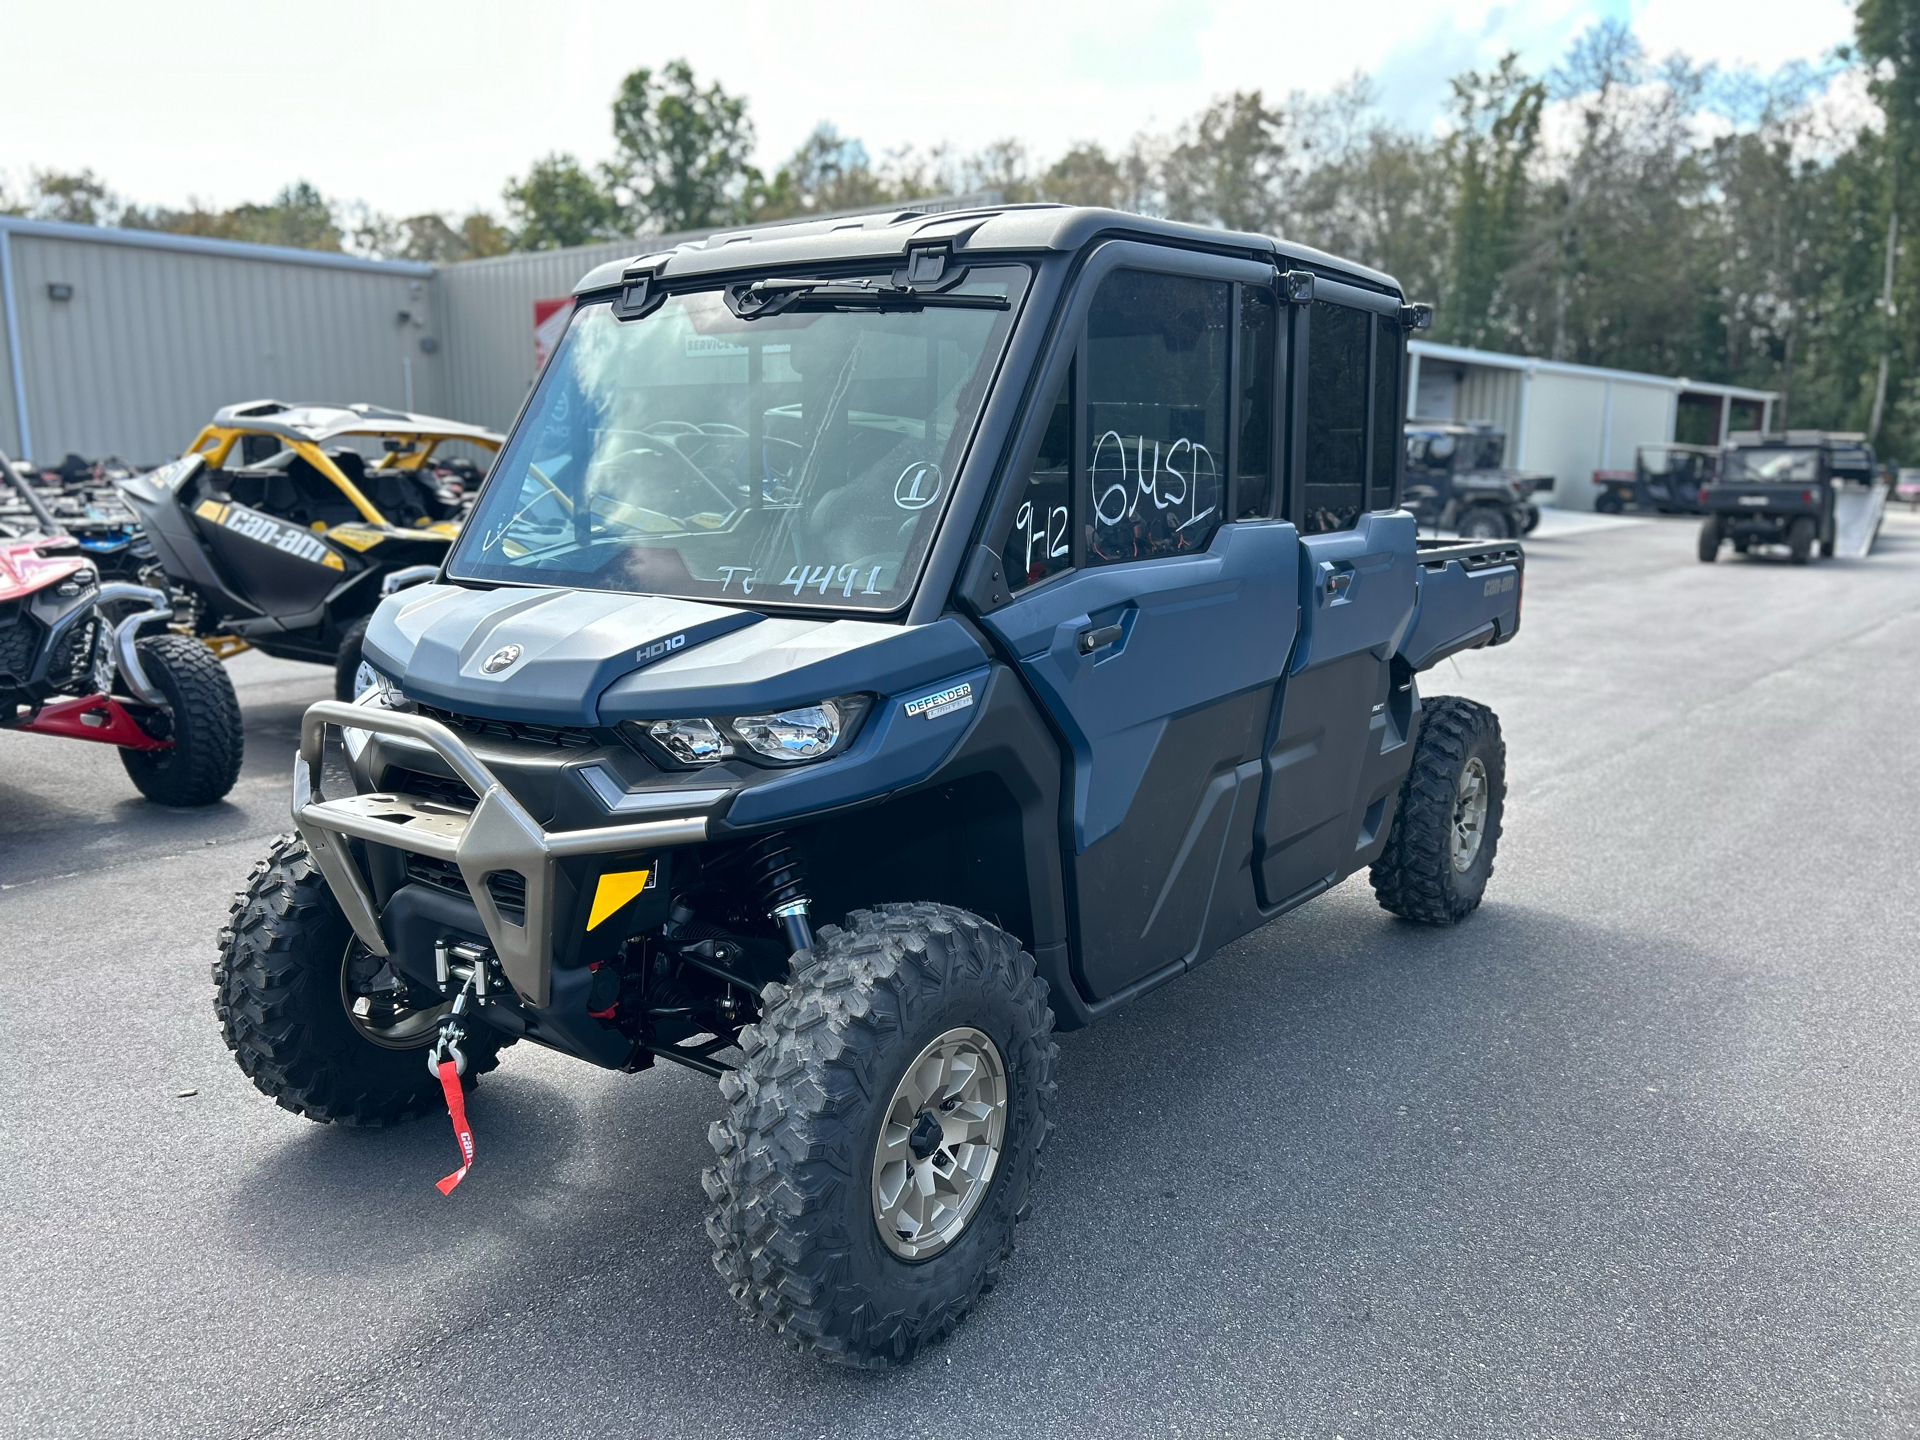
659	649
500	659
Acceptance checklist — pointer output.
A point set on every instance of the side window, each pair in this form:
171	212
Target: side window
1336	478
1389	351
1254	462
1156	413
1041	542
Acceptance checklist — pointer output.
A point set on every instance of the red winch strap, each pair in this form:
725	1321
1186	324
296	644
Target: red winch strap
457	1112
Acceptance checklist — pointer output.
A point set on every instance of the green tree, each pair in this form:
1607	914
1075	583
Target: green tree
557	204
78	197
1087	175
1227	165
683	152
1367	190
827	173
1887	35
298	216
1494	137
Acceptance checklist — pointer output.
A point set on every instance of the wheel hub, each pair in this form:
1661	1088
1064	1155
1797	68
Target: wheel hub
939	1144
926	1136
1469	815
380	1005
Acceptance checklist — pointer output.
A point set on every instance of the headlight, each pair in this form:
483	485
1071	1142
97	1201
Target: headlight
370	687
786	737
691	742
804	734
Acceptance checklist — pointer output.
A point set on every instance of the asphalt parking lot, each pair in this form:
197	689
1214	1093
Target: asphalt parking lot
1633	1152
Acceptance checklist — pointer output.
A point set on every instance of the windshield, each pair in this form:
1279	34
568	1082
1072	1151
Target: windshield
803	458
1782	466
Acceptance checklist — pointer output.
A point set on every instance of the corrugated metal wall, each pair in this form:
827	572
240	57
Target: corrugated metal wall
486	313
155	338
1492	395
9	421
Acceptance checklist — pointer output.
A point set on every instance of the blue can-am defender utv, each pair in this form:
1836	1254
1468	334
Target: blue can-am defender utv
881	643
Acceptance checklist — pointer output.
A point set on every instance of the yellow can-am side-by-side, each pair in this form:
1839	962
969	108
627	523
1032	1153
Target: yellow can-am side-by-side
282	525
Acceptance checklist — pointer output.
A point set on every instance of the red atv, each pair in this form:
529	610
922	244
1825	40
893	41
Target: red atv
73	663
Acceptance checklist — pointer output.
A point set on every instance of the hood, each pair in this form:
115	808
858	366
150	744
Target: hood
24	569
541	656
587	657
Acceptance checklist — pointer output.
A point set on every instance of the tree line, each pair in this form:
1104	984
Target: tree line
1615	210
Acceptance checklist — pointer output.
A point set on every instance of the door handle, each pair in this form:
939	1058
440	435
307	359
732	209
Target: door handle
1338	582
1091	640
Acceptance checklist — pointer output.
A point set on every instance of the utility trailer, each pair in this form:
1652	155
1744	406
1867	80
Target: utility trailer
879	645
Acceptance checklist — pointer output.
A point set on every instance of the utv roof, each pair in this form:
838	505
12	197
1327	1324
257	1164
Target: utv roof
1004	228
317	422
1743	439
1453	427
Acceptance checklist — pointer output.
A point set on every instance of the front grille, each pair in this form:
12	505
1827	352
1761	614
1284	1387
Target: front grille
563	737
443	788
71	666
19	642
509	891
440	874
507	887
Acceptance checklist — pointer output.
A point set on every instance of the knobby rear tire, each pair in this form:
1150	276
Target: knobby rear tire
1800	537
792	1217
1414	876
1710	539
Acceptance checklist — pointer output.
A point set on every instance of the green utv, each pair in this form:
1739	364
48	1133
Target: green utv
880	644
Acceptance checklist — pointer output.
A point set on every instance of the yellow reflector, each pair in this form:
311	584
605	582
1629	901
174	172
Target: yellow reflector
614	891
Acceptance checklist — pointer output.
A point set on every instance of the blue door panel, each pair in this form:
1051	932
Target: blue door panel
1356	589
1159	719
1195	629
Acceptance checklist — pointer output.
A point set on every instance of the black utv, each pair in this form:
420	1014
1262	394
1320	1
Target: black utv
882	643
1458	480
1790	488
1666	479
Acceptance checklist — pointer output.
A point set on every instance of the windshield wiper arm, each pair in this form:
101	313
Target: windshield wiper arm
775	296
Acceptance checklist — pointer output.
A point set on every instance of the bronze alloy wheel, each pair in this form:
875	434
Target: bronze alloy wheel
1469	815
939	1144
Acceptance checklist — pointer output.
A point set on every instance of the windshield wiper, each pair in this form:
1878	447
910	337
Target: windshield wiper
777	296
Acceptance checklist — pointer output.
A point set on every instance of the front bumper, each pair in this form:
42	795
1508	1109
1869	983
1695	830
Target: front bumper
496	835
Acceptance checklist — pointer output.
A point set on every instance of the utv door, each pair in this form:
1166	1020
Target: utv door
1153	632
1340	747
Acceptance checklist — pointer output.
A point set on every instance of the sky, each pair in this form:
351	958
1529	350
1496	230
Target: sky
416	105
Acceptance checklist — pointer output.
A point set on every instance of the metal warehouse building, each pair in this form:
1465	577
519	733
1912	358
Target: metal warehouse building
124	342
1572	420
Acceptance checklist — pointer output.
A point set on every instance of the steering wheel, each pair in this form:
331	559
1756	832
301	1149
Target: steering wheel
642	456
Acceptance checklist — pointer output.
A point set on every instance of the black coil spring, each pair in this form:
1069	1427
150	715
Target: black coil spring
775	869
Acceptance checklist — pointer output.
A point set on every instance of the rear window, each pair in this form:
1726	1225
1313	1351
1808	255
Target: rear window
1783	467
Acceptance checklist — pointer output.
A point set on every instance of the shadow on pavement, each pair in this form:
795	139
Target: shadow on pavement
1298	1174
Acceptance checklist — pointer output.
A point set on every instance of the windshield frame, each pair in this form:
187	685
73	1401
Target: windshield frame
724	285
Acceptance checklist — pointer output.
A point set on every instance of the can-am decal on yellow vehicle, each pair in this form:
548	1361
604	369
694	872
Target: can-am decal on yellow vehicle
282	525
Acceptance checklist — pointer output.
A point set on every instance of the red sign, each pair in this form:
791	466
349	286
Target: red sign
549	324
